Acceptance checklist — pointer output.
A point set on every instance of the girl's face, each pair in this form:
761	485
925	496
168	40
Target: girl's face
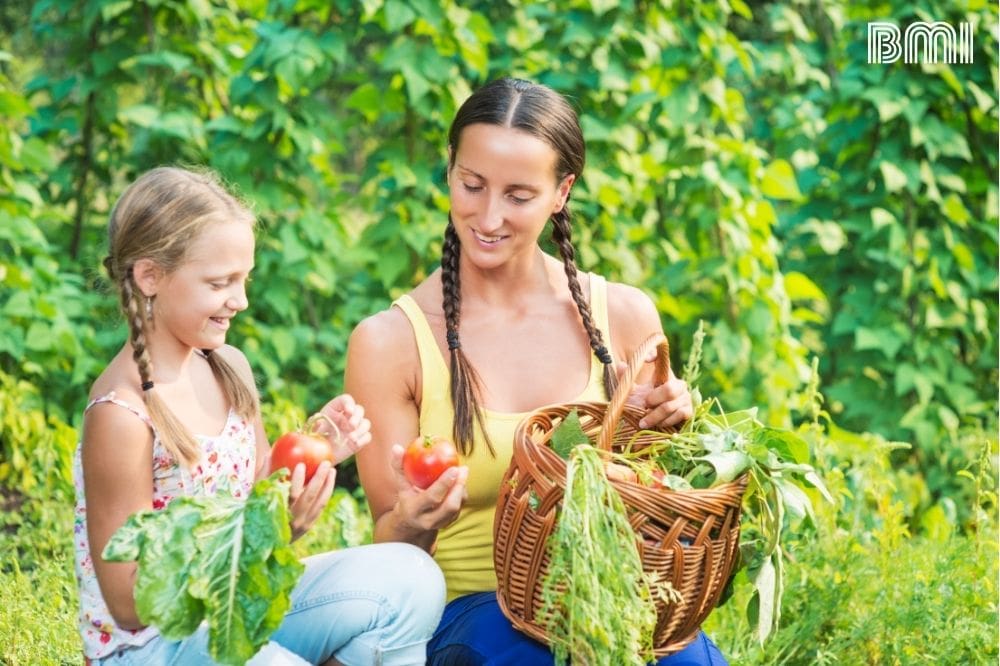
503	190
195	303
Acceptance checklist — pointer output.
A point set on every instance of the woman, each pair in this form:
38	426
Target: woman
501	329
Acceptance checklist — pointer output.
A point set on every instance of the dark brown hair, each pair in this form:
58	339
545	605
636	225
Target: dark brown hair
158	217
546	115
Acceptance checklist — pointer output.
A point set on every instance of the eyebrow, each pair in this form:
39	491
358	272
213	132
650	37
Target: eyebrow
513	186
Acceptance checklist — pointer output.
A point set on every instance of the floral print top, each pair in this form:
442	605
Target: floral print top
227	466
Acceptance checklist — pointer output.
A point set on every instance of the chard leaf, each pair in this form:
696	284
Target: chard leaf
247	573
568	434
163	544
728	464
217	559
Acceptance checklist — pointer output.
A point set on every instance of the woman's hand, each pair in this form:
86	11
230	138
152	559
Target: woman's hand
668	404
306	501
431	509
350	430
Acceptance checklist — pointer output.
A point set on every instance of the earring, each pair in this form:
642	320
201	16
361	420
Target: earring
149	309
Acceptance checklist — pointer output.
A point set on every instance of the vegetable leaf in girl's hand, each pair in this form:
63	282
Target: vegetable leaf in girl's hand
568	434
220	559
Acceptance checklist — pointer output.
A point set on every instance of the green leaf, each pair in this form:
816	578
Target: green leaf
779	181
222	560
154	539
797	503
728	464
892	175
882	339
800	287
567	435
765	581
788	445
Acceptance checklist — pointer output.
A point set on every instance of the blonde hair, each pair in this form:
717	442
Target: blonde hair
158	217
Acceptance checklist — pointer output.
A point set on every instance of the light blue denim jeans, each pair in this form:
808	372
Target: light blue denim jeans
366	606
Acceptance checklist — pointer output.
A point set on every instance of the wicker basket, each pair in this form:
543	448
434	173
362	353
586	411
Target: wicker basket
689	538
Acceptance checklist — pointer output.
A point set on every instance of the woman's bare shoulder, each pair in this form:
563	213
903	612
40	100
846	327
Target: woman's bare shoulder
632	316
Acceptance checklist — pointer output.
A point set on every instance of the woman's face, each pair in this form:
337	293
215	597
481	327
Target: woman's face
503	190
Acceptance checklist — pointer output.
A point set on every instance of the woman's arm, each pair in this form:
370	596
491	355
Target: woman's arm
383	367
633	318
117	457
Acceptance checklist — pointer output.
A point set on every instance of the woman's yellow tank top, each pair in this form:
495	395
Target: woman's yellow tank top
465	548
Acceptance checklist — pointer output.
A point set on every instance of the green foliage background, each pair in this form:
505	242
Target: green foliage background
747	167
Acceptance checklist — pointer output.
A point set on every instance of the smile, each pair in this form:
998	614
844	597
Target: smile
487	239
221	322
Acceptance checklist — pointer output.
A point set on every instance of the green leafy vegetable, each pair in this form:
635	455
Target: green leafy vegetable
568	434
597	602
223	560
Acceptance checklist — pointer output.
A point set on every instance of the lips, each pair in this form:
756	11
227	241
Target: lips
221	322
489	240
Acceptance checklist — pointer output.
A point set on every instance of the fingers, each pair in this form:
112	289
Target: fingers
349	419
669	405
307	501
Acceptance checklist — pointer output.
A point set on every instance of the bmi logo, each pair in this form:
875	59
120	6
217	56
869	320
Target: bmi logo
936	40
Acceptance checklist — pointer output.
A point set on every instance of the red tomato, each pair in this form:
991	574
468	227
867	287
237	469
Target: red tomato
298	447
426	458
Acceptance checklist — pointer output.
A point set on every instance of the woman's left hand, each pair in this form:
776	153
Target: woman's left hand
351	429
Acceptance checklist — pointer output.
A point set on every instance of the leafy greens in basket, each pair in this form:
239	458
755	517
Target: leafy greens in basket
222	560
713	447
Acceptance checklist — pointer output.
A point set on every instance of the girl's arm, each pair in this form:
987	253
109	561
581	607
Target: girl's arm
383	367
633	318
117	457
306	501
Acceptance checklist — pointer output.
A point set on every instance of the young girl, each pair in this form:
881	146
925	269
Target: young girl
176	413
501	329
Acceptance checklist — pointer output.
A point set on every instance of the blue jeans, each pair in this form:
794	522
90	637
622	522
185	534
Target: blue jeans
376	604
475	632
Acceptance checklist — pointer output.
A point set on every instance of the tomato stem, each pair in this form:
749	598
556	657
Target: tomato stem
312	425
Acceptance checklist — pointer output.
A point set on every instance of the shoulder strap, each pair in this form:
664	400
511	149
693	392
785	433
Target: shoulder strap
115	400
434	371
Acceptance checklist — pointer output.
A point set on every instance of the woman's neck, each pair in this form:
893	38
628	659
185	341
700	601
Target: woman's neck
509	285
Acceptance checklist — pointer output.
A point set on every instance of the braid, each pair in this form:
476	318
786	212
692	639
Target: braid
464	379
172	434
561	231
242	397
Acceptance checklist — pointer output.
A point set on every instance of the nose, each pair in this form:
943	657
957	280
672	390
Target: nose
493	215
238	299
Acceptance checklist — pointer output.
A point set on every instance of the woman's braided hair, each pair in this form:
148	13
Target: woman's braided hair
158	217
542	113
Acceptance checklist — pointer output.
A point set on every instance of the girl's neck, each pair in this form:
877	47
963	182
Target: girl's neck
169	363
508	285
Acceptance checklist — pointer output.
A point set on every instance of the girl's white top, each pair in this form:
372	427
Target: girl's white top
227	466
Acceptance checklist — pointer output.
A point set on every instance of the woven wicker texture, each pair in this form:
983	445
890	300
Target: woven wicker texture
689	538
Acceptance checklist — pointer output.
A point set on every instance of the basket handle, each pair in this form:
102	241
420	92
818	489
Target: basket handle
616	406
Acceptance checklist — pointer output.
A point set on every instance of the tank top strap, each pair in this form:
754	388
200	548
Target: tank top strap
436	379
599	307
115	400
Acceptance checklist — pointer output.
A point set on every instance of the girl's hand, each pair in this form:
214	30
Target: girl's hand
668	404
306	501
350	430
433	508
